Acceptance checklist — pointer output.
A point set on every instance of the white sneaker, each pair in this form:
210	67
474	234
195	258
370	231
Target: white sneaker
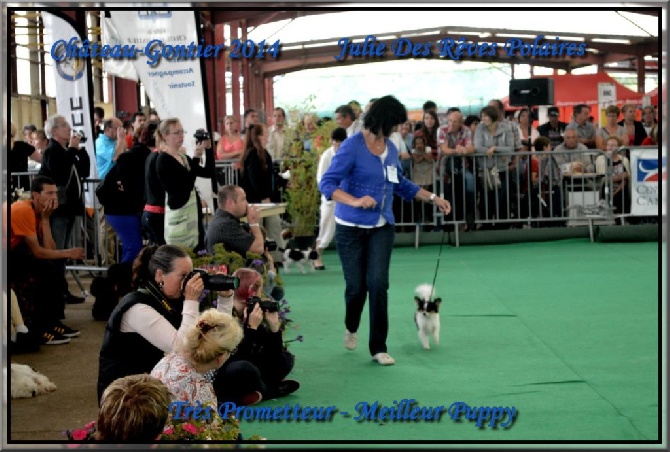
384	359
350	340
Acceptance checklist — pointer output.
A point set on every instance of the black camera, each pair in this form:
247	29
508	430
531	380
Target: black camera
266	305
271	245
81	135
201	135
214	282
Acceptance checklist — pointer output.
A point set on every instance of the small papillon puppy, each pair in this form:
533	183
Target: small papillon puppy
427	315
294	256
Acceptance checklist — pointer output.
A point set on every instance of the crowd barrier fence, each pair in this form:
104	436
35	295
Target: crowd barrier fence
478	201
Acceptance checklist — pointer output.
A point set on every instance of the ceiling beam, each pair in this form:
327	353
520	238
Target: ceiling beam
312	54
258	14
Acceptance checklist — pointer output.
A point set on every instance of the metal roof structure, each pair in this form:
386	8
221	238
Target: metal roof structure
310	41
626	35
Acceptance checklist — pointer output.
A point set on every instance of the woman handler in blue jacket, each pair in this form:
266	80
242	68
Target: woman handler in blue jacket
362	178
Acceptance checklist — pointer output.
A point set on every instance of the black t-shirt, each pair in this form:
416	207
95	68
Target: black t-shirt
554	135
18	157
17	162
227	229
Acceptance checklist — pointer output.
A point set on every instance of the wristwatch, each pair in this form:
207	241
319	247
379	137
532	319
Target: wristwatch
432	197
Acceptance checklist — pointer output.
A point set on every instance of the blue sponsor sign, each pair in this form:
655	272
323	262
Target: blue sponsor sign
647	169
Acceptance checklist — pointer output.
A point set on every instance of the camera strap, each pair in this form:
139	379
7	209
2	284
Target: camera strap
151	291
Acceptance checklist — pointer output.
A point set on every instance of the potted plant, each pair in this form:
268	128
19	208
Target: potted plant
302	192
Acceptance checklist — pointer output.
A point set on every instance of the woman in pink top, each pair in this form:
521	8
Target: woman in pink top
231	145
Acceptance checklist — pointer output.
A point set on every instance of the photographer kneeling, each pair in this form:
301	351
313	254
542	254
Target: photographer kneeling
258	369
151	320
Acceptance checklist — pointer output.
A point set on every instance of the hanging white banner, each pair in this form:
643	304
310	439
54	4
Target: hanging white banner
118	67
647	170
71	75
173	85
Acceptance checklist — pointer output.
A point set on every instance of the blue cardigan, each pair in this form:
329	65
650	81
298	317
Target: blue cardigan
358	172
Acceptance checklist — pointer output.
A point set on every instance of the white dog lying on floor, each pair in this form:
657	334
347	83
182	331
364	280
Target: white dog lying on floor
27	382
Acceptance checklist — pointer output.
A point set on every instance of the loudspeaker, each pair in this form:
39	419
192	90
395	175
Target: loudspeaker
532	91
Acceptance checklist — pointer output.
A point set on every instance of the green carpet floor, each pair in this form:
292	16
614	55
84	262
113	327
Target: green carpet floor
566	332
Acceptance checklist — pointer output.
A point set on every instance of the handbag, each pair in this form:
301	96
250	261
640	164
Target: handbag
181	225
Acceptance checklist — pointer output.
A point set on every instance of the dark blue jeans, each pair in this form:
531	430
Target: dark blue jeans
366	255
129	230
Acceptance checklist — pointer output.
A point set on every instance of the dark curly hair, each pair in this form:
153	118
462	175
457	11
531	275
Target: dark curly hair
386	113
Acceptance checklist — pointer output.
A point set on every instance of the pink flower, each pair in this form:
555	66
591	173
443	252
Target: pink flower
169	431
79	435
89	425
191	429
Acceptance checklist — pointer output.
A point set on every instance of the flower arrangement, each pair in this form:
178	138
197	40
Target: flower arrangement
84	434
186	430
192	429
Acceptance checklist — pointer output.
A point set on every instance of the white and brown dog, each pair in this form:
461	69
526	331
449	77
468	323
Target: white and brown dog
427	315
27	382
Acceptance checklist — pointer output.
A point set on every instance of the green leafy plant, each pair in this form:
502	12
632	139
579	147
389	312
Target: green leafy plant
302	193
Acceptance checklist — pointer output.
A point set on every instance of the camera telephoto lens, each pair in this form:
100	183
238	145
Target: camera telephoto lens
221	282
214	282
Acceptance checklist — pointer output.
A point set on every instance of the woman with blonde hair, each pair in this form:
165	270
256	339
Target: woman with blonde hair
206	346
634	129
611	128
177	173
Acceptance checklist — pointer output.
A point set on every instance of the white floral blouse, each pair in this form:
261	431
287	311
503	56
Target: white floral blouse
185	383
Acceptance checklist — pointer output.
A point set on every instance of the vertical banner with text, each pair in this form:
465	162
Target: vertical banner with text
174	85
72	87
647	171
